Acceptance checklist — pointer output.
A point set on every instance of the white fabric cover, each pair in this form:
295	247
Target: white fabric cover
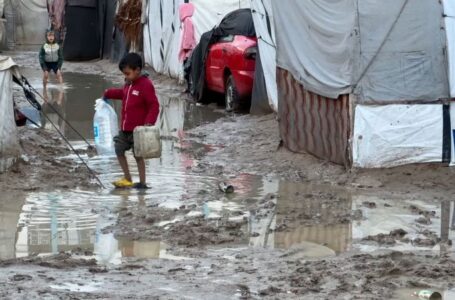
209	13
265	31
315	43
162	37
449	11
162	29
9	142
392	135
32	21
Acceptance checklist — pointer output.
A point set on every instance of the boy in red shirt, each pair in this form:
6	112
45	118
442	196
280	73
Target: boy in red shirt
140	107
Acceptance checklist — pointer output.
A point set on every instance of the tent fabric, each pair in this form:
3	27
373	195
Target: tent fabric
259	100
9	141
383	51
162	29
449	12
83	31
411	66
315	42
265	29
187	34
239	22
162	37
31	21
393	135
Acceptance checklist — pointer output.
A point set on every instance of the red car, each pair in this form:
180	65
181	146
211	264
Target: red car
230	69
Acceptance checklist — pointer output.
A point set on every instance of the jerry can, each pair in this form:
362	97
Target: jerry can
147	142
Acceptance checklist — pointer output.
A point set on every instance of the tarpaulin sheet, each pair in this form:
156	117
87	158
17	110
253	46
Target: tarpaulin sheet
449	11
209	13
392	135
315	42
265	31
390	50
9	142
162	37
411	66
31	22
162	29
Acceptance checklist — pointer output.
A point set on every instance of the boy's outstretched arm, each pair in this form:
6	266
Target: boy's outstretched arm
113	94
153	105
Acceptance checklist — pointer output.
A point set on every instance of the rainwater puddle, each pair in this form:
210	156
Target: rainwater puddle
307	220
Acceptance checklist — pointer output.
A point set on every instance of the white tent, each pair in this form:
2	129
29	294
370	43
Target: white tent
265	31
31	21
162	29
9	141
364	82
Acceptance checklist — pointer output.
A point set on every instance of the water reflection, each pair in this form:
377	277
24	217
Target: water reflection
10	208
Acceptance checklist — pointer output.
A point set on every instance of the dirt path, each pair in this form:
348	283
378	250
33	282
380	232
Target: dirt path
296	228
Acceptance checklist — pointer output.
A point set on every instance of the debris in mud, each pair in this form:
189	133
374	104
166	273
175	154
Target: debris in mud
369	204
176	228
388	239
425	213
21	277
424	221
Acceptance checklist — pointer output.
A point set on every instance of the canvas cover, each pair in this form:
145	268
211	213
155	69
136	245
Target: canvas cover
392	135
384	51
449	12
265	30
162	29
9	142
31	21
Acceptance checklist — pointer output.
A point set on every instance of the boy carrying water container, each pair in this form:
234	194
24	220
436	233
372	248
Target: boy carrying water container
140	107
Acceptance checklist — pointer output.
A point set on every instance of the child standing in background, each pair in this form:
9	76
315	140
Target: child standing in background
51	58
140	107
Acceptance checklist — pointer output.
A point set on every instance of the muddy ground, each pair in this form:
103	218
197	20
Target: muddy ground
214	257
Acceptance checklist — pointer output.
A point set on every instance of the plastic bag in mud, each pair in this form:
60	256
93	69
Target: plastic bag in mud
105	127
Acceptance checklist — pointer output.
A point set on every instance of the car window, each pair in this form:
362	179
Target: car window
226	39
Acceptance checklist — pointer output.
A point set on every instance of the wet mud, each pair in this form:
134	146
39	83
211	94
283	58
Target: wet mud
295	227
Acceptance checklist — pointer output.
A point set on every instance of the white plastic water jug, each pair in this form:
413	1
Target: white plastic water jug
147	142
105	127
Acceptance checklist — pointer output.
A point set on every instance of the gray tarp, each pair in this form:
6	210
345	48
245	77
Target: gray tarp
315	43
328	44
411	65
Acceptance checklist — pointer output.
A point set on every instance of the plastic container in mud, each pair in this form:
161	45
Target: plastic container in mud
147	142
428	295
105	127
226	188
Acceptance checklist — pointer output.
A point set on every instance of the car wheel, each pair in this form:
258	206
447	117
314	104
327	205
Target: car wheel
231	95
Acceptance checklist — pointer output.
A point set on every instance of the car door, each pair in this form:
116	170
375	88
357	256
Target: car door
216	63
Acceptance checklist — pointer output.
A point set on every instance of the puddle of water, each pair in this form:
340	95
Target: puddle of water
46	223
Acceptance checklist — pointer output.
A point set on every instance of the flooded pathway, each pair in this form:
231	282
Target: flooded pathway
301	221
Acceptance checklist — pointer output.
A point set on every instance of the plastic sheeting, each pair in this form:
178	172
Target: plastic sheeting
411	66
392	135
265	30
162	29
449	11
389	51
9	142
315	43
31	21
